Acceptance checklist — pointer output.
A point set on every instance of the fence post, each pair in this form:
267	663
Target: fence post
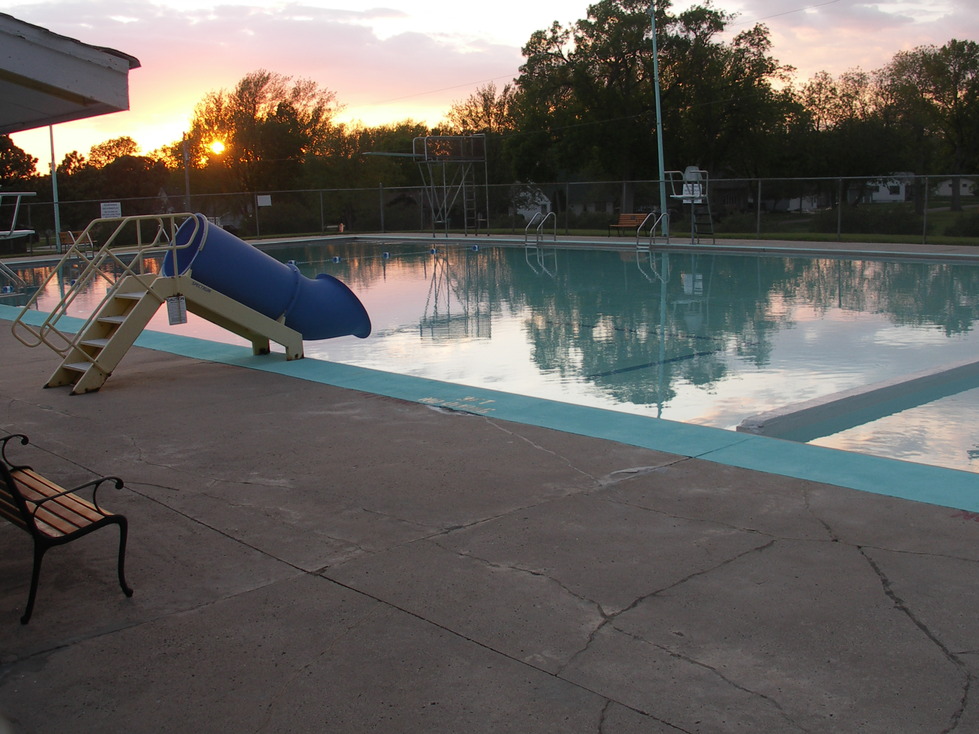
758	211
381	204
839	209
924	218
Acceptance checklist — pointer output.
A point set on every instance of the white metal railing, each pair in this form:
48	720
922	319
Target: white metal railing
110	261
15	280
662	221
649	269
539	233
526	230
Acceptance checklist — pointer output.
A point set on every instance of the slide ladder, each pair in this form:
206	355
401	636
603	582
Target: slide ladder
135	294
128	308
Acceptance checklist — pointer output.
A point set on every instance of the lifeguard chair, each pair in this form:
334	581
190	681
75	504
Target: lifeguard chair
691	188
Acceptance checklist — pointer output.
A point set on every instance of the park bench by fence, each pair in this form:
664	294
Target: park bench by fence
52	515
630	222
69	238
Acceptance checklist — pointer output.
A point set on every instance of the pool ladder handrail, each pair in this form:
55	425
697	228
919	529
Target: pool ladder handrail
539	234
656	273
106	263
536	245
661	220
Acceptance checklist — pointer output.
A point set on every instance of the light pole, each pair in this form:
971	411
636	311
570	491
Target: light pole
186	176
664	217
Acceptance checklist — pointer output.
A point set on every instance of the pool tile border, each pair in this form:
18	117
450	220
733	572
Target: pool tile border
890	477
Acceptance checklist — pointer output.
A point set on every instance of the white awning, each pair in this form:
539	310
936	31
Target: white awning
46	78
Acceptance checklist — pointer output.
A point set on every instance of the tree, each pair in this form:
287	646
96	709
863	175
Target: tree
132	177
934	92
487	111
104	153
850	134
269	125
722	107
72	163
586	93
15	164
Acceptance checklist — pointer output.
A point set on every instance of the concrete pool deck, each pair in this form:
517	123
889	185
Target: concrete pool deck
316	558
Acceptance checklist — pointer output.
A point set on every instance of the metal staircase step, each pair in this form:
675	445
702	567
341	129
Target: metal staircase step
77	366
113	319
99	343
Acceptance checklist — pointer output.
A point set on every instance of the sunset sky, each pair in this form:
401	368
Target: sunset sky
410	58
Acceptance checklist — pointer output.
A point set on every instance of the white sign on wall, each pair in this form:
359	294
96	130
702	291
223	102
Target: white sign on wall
111	209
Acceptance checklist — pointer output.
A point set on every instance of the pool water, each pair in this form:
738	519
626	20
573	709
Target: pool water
709	339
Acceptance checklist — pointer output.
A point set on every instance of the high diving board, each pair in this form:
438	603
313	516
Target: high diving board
11	231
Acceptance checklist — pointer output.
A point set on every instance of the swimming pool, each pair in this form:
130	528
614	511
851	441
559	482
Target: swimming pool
707	339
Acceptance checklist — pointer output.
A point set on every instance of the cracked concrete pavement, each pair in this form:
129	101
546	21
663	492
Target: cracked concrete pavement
312	559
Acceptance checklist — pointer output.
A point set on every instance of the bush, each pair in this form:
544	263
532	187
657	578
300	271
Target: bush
870	219
965	225
737	223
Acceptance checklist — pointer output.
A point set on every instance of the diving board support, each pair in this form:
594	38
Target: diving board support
129	306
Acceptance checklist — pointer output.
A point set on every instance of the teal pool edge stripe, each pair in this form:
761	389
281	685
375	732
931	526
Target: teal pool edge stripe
890	477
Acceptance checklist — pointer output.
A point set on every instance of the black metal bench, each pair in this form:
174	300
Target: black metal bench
52	515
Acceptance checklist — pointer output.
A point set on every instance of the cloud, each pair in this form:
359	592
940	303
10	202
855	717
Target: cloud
185	54
836	35
414	58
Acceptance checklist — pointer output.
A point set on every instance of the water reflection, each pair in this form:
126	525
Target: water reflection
708	339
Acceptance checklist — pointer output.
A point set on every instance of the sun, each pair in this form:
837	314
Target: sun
216	147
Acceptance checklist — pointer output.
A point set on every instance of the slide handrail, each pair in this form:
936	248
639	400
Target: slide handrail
111	261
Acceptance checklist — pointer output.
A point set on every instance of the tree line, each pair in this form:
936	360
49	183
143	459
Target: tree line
580	108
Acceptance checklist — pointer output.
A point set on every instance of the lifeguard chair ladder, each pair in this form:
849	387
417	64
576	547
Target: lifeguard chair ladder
90	355
691	188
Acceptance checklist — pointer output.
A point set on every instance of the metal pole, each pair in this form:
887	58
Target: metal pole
758	210
839	209
54	192
380	196
924	219
659	126
186	176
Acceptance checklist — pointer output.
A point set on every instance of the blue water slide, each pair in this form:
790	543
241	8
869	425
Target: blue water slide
318	308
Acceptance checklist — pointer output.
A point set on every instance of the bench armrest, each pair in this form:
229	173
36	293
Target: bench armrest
3	448
94	484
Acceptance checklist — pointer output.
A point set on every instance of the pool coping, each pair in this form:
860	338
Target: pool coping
953	488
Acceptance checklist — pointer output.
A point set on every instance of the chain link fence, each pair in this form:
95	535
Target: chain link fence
900	208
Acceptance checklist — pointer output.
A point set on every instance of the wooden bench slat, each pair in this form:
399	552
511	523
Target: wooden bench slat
61	516
9	512
46	488
628	221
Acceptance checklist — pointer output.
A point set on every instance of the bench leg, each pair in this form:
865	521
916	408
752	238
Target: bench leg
35	577
123	536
